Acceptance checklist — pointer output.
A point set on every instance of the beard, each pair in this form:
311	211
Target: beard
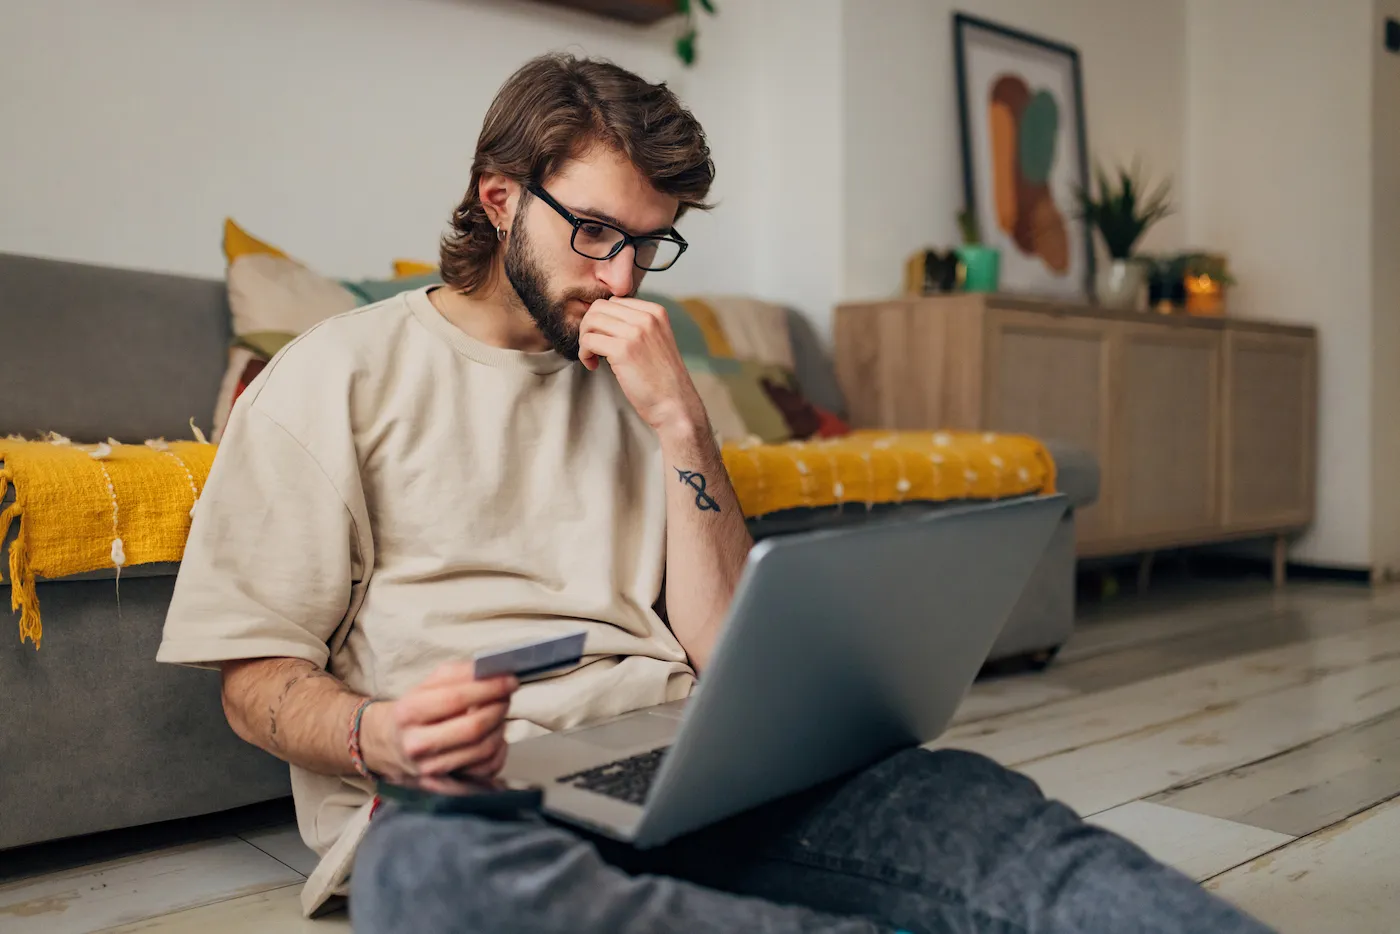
526	275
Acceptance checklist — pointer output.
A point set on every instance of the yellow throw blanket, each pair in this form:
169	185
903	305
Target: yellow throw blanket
869	467
86	507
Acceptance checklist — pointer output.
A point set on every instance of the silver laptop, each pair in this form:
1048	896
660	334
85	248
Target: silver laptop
842	646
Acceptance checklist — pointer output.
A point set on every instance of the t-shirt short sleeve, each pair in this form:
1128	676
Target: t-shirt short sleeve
269	565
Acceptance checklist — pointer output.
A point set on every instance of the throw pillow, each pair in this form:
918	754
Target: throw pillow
752	329
829	424
761	416
405	268
800	415
273	298
725	420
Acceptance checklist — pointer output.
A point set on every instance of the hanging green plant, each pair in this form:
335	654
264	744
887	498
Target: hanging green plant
685	42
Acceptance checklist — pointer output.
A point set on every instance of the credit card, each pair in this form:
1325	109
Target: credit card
530	660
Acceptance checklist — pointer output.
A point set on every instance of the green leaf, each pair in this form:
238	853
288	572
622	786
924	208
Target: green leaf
683	7
685	47
1123	209
709	6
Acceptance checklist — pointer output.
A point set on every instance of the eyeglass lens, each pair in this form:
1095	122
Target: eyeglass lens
599	241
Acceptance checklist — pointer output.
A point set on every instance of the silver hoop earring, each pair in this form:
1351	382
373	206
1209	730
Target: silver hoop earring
500	233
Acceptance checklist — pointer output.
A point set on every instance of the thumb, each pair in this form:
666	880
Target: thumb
589	359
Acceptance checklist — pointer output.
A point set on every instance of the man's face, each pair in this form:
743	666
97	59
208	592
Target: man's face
557	285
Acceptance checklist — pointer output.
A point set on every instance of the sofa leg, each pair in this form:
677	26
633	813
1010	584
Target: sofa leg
1280	560
1144	575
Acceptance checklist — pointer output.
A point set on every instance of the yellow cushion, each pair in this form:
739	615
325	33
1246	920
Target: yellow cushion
707	320
869	467
238	242
405	268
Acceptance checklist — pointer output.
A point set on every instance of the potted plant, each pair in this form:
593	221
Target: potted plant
1122	210
979	265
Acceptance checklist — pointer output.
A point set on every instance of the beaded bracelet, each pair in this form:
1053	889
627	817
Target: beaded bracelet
357	758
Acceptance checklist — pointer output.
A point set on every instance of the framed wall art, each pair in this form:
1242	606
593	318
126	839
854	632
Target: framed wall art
1021	109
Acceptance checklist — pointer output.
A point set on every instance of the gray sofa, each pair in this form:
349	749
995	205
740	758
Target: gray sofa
95	734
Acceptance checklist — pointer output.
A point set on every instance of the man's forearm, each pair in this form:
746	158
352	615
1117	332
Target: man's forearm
706	539
292	709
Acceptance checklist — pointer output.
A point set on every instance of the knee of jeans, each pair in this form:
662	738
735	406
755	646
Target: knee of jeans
408	877
961	768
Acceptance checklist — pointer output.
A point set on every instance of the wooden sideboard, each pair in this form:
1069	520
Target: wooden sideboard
1204	428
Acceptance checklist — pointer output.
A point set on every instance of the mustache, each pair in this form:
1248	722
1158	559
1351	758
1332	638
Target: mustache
587	297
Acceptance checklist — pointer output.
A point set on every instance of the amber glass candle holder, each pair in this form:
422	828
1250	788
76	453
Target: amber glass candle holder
1205	295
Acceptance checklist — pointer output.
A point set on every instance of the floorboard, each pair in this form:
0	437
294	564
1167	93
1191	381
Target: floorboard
274	912
1198	845
1341	879
1047	730
1216	738
147	886
1307	788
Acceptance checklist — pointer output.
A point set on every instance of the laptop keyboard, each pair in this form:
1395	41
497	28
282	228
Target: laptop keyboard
626	779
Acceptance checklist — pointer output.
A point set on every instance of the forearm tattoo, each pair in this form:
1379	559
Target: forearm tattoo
276	708
696	481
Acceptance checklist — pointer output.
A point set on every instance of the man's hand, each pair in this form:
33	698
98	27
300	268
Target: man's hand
448	723
636	339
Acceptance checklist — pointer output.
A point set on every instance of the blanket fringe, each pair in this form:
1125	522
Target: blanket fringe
23	594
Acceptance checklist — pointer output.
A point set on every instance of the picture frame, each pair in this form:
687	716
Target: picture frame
1025	155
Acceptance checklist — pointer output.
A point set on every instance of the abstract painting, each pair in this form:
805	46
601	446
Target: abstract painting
1020	100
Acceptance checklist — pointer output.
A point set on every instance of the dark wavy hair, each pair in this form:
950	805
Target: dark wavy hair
555	108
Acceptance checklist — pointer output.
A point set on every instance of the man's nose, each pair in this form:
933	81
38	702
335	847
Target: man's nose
619	273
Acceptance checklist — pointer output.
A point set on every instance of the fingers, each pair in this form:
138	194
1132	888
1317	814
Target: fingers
597	344
424	743
605	321
432	703
477	758
449	672
492	767
645	317
651	309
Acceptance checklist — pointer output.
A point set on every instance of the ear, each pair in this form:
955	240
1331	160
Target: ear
500	196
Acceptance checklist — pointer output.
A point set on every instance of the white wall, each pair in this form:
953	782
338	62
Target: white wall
797	153
1279	168
341	130
1385	296
903	173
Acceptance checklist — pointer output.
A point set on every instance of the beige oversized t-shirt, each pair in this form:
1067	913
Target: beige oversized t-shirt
391	494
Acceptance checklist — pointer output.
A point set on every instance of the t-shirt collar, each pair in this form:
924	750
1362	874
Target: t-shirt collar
541	362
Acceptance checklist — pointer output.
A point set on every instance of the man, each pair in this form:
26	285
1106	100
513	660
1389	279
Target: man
505	457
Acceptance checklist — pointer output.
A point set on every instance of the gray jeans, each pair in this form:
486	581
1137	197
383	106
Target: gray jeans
922	842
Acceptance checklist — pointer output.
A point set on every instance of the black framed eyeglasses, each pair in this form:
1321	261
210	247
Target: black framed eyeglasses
600	240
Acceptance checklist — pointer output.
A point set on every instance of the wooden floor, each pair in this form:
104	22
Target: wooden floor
1249	738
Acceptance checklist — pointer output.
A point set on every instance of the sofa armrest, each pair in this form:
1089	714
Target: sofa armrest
1076	472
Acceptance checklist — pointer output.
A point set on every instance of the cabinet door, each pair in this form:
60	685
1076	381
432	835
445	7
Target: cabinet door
1271	410
1048	376
1168	417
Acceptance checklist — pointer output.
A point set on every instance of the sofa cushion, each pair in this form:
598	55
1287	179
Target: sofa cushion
813	367
92	352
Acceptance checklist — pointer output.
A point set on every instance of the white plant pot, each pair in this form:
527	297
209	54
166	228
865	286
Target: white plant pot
1122	283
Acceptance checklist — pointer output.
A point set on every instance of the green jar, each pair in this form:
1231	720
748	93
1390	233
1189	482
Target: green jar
981	268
